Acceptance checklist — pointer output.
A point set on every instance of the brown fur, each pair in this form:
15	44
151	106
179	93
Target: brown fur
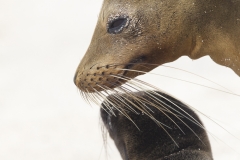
159	32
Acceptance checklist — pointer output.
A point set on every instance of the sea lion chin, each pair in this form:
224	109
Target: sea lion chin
174	134
132	34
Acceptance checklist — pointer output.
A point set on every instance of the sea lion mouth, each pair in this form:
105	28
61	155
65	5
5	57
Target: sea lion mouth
134	62
128	73
102	77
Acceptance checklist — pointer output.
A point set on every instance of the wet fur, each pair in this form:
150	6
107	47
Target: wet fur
159	32
152	139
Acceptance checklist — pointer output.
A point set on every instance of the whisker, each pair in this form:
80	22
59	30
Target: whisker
161	65
117	100
185	116
95	99
88	97
198	76
176	116
129	91
150	116
135	84
182	81
159	123
83	95
115	97
121	111
196	122
142	100
190	115
118	96
107	102
166	99
170	112
130	95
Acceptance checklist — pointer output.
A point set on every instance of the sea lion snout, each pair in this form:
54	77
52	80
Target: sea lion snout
98	71
97	77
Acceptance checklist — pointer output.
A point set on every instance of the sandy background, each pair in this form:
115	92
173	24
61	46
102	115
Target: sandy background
42	115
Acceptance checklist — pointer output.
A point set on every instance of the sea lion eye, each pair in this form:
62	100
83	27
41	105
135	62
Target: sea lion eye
116	26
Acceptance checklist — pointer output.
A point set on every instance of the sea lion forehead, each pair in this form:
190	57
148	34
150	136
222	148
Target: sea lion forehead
134	9
111	7
147	9
125	6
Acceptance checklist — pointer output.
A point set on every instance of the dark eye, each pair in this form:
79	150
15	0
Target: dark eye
117	25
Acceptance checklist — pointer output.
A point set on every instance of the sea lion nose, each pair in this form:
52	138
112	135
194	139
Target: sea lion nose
74	79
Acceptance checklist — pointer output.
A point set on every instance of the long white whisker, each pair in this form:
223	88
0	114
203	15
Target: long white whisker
176	116
182	81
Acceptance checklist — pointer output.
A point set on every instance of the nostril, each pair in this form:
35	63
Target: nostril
75	79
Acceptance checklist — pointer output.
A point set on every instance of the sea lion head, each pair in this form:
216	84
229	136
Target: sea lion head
134	35
175	131
129	34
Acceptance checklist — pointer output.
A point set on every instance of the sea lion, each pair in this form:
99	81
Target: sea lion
132	35
138	137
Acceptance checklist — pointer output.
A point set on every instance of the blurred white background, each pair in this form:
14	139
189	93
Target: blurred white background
42	115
